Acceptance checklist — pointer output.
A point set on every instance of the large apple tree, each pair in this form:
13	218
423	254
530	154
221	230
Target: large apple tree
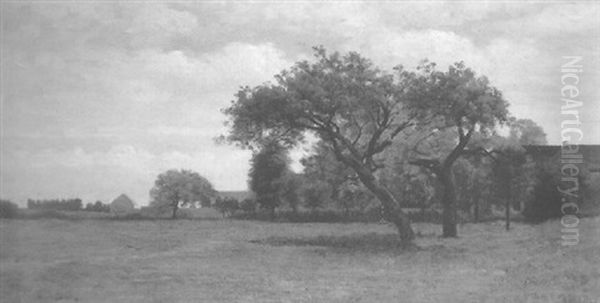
353	107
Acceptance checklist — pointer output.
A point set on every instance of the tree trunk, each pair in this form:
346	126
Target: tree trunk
508	195
391	208
444	173
476	210
508	214
449	203
476	200
174	213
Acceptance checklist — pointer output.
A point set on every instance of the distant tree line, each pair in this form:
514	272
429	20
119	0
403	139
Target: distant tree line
55	204
97	207
8	209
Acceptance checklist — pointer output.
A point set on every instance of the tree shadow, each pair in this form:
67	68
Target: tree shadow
370	243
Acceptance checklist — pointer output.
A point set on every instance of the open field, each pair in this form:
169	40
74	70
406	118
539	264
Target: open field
53	260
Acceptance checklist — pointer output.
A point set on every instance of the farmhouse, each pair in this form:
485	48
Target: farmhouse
122	205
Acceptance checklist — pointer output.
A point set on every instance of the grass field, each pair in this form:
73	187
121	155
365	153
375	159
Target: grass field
52	260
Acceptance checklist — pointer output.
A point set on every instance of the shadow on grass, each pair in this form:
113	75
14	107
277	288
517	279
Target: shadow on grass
371	242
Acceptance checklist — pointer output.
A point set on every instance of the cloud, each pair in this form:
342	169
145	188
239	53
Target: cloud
117	113
117	92
222	70
155	23
103	88
556	19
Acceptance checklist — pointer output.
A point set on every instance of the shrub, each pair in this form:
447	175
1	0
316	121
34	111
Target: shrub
546	200
226	206
315	195
97	207
248	205
8	209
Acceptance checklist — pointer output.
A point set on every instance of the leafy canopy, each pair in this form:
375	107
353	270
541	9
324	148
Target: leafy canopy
344	100
269	166
174	187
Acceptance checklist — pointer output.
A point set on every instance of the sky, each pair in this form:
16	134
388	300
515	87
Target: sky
98	98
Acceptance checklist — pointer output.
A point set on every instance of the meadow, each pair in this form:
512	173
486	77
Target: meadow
94	260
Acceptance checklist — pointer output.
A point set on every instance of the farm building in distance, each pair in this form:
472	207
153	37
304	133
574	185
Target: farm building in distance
122	205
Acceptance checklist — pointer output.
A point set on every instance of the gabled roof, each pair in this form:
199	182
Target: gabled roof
122	202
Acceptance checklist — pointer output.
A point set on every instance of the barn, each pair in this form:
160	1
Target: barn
122	205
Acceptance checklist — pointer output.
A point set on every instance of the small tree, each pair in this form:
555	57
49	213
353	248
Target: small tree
323	167
97	207
248	205
8	209
355	196
226	206
289	191
527	132
174	188
315	195
546	202
269	166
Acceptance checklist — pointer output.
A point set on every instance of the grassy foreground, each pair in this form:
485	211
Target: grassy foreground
53	260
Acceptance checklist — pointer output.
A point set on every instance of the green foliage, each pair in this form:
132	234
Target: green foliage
315	195
412	185
268	167
8	209
348	103
352	106
458	98
457	105
355	197
527	132
547	200
289	190
248	205
357	111
226	206
97	207
174	188
337	93
323	166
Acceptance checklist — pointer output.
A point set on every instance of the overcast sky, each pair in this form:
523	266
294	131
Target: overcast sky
99	98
